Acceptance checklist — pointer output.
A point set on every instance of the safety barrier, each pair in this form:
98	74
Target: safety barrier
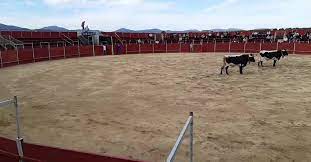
28	55
187	126
19	151
38	35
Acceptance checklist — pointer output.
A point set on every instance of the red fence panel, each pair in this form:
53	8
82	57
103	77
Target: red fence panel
222	47
237	47
146	48
6	33
99	50
160	48
25	56
252	47
46	35
130	49
185	48
86	51
55	35
269	46
287	46
71	51
208	47
109	49
73	35
41	54
303	48
197	48
36	35
26	34
16	34
9	58
57	53
37	153
173	48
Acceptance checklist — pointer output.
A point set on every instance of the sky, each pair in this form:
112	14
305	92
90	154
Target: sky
110	15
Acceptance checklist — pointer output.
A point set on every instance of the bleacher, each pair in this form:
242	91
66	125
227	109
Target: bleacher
36	39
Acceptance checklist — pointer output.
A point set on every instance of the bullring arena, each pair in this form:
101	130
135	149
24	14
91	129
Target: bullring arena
134	106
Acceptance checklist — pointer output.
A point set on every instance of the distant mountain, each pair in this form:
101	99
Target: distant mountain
124	30
4	27
225	30
53	29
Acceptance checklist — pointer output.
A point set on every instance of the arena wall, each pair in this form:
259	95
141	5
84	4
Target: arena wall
36	153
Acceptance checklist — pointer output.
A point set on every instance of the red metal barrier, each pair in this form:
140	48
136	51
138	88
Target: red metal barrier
9	58
26	34
46	35
252	47
208	47
185	48
99	50
197	48
130	49
146	48
36	35
109	50
269	46
36	153
86	51
57	53
173	48
16	34
25	56
55	35
159	48
237	47
303	48
288	46
222	47
41	54
71	51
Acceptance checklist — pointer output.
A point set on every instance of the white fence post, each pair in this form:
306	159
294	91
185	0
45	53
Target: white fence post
33	53
245	47
277	45
188	125
17	56
153	48
215	46
64	51
49	50
230	46
93	50
260	46
125	48
294	48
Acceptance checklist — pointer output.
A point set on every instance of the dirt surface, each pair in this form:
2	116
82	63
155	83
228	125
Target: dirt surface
135	105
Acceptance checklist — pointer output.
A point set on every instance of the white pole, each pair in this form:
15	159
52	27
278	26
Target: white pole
17	56
277	45
191	137
33	53
294	47
93	49
215	44
260	46
112	47
230	46
49	48
245	47
64	51
125	48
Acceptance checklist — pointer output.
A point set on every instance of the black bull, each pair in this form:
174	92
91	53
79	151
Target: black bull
240	60
271	55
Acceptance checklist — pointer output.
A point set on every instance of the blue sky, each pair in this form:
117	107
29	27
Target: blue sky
110	15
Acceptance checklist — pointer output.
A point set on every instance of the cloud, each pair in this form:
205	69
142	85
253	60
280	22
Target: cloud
221	5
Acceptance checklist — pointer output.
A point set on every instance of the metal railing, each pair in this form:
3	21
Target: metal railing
19	139
188	126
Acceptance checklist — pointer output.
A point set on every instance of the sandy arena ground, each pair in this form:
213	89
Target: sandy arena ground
135	106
